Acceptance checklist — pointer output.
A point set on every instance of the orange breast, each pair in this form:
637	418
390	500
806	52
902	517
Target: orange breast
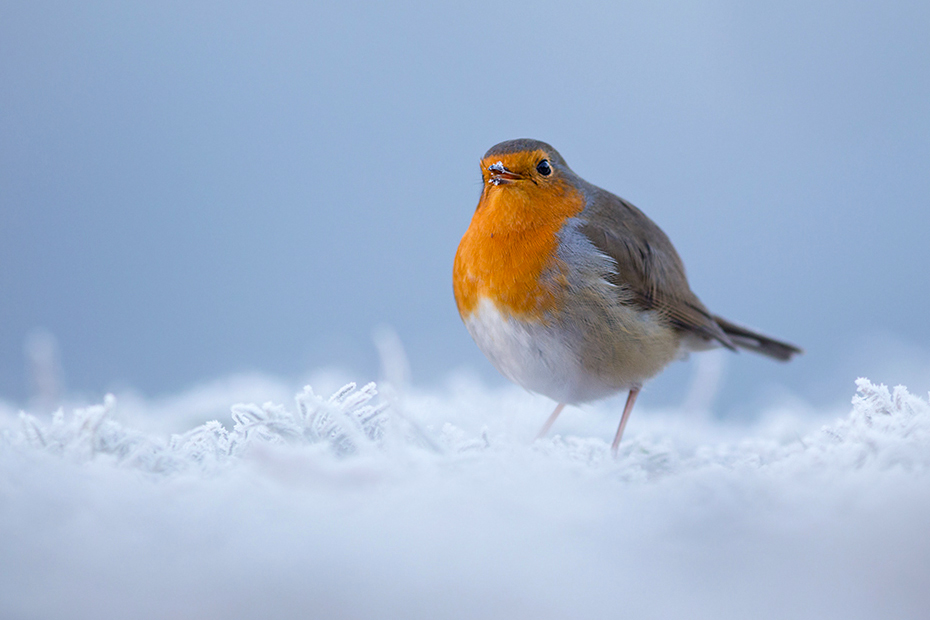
509	252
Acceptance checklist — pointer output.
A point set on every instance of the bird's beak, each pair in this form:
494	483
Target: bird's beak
500	174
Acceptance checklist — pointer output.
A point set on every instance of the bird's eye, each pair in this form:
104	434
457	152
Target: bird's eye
544	168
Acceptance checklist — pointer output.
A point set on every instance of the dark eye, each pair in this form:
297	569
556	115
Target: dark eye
544	168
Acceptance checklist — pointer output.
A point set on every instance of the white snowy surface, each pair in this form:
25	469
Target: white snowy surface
438	505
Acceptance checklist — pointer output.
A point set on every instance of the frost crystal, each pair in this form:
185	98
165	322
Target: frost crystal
343	507
347	423
887	428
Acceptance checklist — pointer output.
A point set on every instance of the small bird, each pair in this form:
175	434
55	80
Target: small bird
571	291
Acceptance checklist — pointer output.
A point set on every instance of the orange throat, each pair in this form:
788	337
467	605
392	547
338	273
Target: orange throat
509	254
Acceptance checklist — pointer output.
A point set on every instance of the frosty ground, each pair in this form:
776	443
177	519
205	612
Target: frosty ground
438	504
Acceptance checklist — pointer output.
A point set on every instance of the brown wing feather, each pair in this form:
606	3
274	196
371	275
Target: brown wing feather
648	269
745	338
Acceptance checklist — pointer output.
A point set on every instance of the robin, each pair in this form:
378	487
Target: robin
572	292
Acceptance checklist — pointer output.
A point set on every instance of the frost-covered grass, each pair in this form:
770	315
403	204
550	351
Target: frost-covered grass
438	505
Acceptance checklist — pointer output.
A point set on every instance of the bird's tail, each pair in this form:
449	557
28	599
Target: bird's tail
745	338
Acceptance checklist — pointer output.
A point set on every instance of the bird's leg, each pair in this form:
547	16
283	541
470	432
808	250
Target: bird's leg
626	414
550	421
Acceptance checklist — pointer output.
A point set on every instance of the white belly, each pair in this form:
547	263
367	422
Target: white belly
541	358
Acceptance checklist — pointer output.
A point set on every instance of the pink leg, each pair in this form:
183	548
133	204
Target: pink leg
626	415
550	421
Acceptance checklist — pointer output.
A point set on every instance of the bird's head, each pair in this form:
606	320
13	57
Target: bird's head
526	183
523	164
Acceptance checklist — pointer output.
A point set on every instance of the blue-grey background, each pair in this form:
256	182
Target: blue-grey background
194	189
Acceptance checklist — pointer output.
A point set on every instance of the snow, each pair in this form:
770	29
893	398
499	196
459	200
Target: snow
437	504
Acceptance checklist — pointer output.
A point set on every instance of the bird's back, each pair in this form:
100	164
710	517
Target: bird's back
646	266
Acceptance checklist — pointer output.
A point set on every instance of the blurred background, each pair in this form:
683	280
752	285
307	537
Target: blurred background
189	190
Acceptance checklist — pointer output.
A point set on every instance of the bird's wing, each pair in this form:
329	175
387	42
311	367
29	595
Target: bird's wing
648	271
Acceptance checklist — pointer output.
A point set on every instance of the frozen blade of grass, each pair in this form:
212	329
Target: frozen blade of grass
355	399
318	415
32	429
247	415
308	407
345	421
342	393
351	436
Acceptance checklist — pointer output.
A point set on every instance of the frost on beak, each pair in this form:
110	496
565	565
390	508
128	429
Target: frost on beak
500	174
